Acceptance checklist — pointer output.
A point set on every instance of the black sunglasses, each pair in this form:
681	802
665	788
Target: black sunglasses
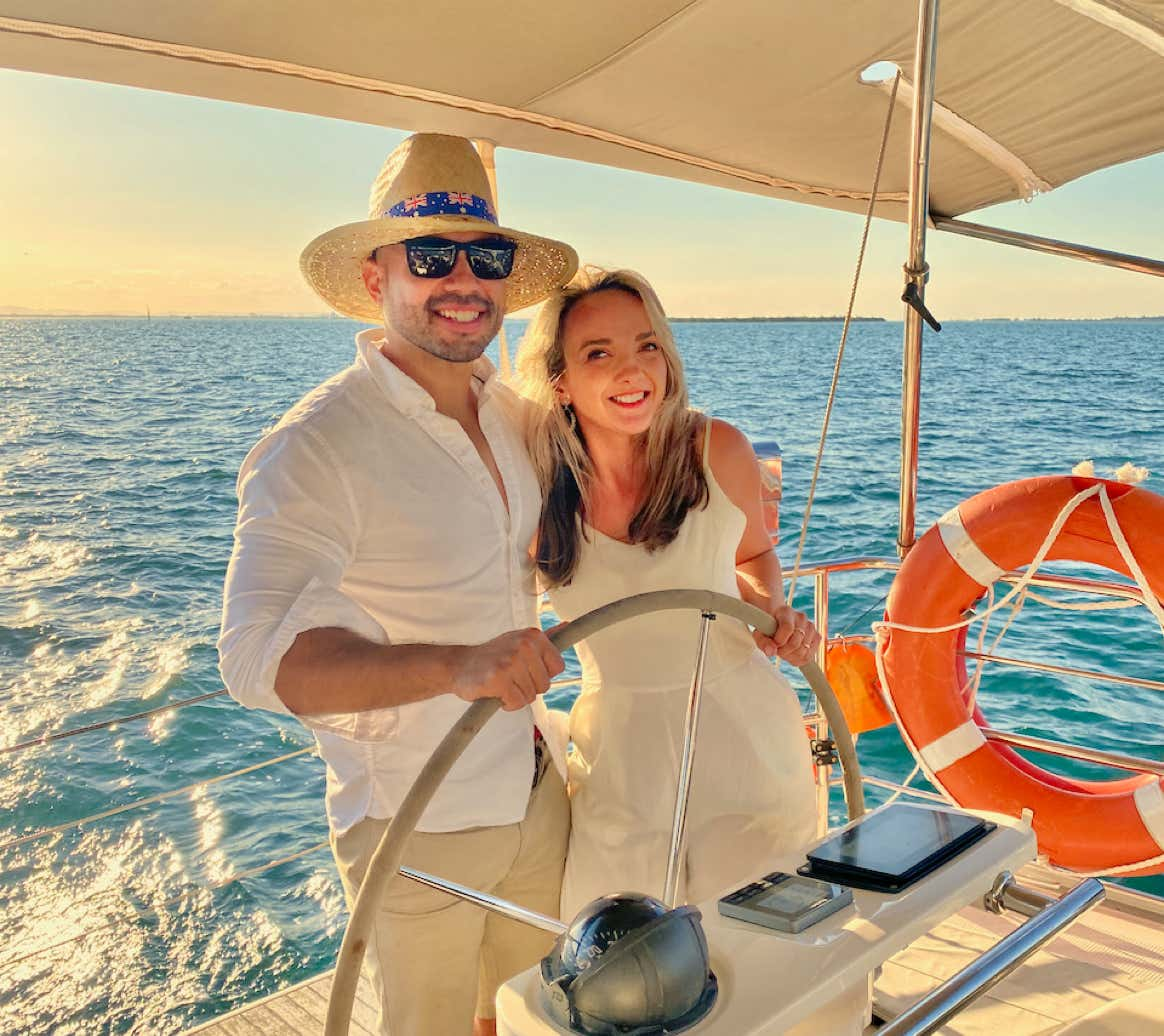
490	259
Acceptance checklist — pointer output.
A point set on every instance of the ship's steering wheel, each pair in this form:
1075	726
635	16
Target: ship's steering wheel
388	855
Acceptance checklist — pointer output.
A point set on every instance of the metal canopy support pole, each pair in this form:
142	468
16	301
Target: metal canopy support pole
1052	246
486	149
683	791
916	269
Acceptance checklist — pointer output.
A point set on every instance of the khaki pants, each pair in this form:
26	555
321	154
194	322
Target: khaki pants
434	960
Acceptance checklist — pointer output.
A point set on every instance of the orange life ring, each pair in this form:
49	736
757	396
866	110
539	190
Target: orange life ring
1081	825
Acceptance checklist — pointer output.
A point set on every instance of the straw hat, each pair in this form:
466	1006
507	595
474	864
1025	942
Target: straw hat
431	184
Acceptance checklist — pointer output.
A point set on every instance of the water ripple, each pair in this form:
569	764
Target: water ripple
121	441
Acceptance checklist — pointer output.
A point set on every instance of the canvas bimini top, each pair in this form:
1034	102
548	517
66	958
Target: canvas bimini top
755	95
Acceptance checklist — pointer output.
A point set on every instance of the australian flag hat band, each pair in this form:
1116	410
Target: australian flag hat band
444	203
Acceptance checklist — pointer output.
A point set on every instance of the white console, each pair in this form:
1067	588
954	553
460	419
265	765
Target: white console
817	981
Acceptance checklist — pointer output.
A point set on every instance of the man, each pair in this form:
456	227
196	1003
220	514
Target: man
381	580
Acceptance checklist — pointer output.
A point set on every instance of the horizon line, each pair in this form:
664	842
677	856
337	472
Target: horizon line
754	318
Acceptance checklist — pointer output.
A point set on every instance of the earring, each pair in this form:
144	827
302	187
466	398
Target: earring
571	417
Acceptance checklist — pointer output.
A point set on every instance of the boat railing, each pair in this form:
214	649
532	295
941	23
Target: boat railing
821	574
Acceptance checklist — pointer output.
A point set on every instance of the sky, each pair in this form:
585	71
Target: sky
115	200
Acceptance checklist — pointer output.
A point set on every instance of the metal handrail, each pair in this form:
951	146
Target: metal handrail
1065	670
1135	764
902	789
958	991
855	563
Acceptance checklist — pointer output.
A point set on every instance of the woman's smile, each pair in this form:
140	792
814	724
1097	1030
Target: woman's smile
631	399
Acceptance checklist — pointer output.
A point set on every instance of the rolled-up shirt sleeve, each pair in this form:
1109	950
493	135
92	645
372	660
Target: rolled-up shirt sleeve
296	533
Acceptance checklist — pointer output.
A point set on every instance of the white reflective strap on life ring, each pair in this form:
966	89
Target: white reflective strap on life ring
952	746
1150	803
965	551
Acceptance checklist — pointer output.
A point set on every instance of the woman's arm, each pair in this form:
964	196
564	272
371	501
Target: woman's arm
758	572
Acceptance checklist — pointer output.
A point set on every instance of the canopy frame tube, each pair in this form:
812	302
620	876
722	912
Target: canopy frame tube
1051	246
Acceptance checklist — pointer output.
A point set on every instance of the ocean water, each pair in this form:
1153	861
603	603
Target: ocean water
119	444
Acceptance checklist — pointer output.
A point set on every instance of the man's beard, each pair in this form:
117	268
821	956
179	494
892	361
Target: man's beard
420	327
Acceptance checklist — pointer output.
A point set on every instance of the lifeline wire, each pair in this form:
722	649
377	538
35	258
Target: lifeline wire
44	832
824	429
45	739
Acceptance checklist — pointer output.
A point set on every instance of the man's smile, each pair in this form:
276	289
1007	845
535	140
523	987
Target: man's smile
461	310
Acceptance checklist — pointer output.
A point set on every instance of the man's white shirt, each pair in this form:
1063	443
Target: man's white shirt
368	510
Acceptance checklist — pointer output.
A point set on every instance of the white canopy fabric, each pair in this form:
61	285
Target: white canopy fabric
754	95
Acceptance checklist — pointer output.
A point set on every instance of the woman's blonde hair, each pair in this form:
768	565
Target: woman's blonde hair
675	480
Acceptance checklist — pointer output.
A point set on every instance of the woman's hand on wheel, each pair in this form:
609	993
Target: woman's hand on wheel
795	640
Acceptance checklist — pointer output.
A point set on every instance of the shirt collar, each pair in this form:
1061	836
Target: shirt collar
410	398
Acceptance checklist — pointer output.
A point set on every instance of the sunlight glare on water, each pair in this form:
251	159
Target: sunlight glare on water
117	491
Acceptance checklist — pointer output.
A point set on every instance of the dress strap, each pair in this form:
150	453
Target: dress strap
715	489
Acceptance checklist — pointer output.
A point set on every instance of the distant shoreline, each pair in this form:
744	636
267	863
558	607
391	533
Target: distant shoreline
775	320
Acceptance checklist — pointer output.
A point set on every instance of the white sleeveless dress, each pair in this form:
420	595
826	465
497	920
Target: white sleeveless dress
752	793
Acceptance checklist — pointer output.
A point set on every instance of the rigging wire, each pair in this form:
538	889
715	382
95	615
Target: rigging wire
824	431
149	800
875	605
45	739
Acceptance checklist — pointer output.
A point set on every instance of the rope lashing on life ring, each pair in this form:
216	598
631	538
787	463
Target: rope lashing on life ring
1104	827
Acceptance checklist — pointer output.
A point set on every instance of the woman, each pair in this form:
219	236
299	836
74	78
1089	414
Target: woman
643	493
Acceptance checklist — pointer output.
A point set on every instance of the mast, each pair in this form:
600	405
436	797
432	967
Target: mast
916	269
